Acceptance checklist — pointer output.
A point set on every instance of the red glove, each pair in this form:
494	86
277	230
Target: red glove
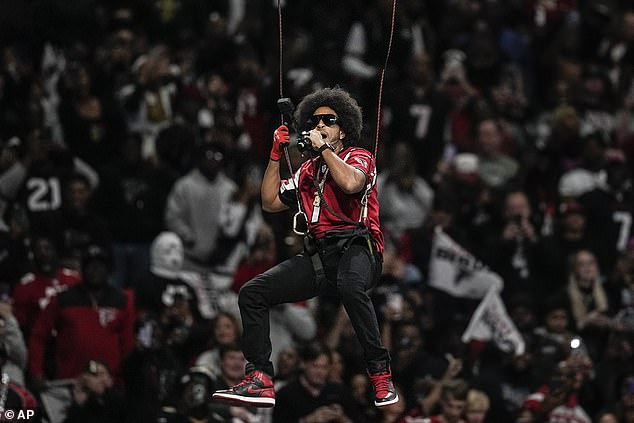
281	139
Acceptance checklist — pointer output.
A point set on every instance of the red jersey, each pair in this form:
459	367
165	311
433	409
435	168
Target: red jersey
88	328
320	219
35	291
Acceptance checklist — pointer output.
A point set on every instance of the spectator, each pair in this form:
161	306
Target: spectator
41	194
37	289
80	225
12	172
15	395
262	256
429	388
311	397
291	325
615	366
184	334
231	371
478	404
13	345
513	249
191	404
132	197
467	105
506	379
194	206
150	374
158	288
589	302
419	114
620	289
553	339
92	319
557	399
15	247
287	367
148	102
94	397
93	125
608	208
571	234
225	331
405	197
496	168
453	402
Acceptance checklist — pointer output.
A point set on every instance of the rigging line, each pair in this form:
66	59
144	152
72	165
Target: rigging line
387	58
281	81
281	44
287	157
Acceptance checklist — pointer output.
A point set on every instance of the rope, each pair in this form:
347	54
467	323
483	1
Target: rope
387	57
378	117
287	157
281	43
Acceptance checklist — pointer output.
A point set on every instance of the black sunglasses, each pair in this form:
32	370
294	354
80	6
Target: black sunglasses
328	119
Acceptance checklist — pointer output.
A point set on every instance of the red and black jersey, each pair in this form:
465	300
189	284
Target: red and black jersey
34	293
88	328
320	220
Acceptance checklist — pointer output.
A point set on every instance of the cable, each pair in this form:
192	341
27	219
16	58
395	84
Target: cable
387	58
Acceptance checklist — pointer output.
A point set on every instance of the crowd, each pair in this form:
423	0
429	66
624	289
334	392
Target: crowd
133	140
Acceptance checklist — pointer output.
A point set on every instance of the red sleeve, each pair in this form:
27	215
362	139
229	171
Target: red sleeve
42	328
360	159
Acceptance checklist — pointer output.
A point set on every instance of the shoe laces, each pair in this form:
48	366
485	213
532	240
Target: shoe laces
248	379
382	383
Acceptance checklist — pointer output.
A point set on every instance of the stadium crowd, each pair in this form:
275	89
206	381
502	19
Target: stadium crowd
133	140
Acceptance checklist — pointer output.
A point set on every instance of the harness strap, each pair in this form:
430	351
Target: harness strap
312	250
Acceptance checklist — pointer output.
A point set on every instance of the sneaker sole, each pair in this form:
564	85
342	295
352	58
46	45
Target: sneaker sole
384	403
245	401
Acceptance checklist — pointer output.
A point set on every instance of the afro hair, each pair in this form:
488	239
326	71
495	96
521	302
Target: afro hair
348	110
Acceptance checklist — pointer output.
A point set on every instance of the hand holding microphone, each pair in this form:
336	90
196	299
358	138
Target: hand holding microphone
316	139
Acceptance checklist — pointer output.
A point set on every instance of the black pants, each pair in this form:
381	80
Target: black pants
350	276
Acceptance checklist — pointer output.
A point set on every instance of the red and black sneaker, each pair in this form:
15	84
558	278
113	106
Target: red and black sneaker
384	392
256	389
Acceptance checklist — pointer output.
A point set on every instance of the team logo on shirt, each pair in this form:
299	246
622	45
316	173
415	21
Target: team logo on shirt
361	161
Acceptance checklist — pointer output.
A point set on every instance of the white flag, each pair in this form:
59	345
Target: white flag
491	322
455	271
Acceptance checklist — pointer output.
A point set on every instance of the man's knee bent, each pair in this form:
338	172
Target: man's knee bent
253	292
